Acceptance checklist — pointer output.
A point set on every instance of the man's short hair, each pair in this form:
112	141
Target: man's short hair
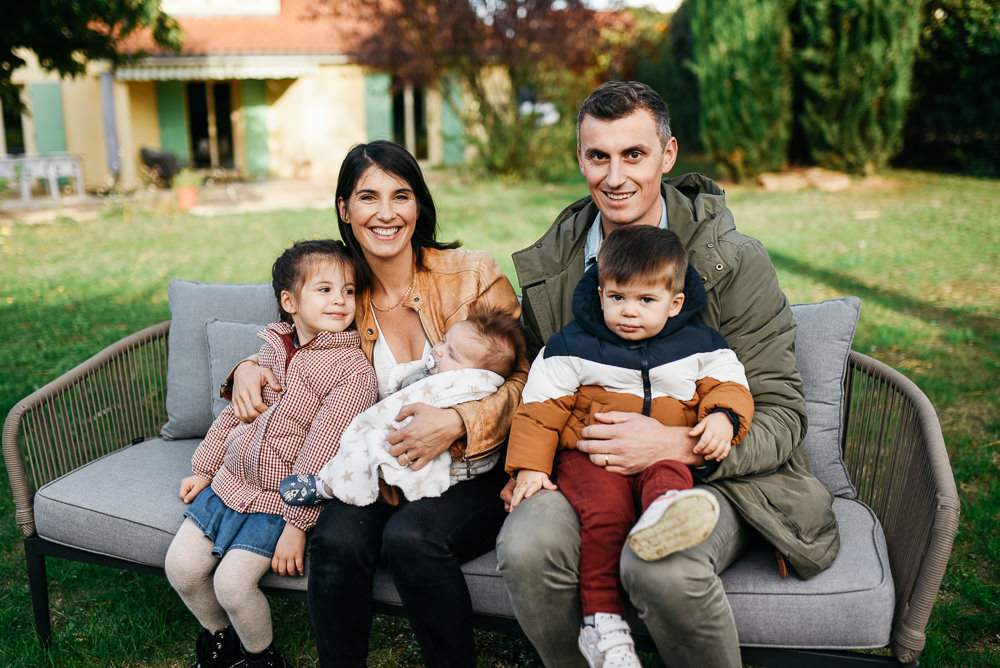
504	338
643	253
613	100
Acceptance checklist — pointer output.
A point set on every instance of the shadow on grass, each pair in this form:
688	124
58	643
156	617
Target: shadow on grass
985	327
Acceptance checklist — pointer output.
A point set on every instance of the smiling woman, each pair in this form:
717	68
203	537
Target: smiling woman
419	288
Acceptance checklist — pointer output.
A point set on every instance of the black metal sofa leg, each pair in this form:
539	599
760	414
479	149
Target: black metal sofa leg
38	581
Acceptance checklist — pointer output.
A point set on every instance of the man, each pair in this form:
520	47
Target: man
765	486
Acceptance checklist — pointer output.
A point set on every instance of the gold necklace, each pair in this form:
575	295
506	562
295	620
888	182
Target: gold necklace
401	299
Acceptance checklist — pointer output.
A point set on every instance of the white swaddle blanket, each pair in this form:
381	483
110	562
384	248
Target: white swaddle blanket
363	457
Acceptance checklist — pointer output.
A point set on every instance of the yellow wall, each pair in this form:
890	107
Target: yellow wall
81	98
313	121
138	126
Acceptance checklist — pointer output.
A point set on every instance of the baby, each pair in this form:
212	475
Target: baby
473	359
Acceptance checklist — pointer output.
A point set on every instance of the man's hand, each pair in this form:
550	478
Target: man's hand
525	485
289	553
430	432
191	487
716	436
628	443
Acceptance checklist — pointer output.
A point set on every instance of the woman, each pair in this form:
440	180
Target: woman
420	287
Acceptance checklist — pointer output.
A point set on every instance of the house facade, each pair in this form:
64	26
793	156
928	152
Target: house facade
261	88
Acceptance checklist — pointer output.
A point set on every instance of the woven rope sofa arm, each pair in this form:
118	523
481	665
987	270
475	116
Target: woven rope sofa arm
111	400
896	456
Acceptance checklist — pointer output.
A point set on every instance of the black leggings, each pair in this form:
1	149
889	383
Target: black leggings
423	543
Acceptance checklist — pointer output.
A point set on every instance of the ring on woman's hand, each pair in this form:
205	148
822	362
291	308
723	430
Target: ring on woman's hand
408	462
606	461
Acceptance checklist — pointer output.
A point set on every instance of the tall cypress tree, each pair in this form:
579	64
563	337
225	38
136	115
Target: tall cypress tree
742	62
853	74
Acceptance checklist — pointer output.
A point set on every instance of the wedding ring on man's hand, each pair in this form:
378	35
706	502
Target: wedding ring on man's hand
606	460
408	462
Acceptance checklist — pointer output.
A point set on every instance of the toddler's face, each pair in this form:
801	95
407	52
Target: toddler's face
324	303
461	348
638	311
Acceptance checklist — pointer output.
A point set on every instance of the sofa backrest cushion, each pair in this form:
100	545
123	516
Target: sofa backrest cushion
214	325
228	343
822	343
189	383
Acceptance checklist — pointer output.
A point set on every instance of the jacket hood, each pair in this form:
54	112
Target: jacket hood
589	314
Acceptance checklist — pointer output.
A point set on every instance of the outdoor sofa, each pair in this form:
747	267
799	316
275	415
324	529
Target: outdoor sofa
95	459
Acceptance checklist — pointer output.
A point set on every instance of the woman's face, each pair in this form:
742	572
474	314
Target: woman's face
382	212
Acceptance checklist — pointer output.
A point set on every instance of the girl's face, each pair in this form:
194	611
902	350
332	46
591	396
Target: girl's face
324	302
382	212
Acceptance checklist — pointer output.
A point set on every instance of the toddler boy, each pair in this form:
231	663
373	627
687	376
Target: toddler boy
634	346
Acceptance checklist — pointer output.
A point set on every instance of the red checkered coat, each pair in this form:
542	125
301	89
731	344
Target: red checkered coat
325	384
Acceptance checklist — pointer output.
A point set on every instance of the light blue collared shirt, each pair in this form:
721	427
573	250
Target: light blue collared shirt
595	236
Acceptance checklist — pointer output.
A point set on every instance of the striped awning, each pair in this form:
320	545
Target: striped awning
216	67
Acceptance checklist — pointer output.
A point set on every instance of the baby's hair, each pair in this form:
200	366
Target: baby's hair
290	270
643	253
504	336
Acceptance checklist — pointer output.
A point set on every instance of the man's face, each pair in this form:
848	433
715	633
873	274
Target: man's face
623	163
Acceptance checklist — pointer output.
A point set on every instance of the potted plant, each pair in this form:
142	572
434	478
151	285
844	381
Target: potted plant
186	183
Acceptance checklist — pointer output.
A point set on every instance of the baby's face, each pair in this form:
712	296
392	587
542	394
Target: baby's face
461	348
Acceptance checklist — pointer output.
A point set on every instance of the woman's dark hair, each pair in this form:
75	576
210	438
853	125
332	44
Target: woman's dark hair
290	270
396	160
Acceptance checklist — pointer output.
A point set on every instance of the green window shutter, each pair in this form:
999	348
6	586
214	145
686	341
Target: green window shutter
378	106
255	109
452	130
171	109
47	112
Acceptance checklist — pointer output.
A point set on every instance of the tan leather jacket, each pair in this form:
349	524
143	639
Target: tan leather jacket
444	291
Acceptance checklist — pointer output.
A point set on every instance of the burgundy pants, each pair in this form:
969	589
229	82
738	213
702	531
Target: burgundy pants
609	505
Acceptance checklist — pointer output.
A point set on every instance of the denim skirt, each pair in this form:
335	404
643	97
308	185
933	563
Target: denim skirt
230	530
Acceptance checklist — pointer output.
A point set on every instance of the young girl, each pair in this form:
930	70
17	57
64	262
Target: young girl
237	526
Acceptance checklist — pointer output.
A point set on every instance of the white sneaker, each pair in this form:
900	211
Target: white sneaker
673	522
608	643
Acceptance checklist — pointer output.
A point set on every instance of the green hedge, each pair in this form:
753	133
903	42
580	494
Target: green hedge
742	63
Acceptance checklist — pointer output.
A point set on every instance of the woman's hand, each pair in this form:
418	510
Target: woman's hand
191	487
248	379
430	432
289	553
629	443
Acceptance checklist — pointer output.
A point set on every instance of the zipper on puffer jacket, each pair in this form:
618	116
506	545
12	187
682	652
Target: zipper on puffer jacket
647	388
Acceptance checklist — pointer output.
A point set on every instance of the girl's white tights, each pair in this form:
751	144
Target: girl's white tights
230	596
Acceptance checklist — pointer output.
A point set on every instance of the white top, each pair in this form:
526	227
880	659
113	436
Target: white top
384	362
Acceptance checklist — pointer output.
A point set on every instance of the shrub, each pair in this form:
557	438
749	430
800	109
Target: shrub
853	73
742	63
954	118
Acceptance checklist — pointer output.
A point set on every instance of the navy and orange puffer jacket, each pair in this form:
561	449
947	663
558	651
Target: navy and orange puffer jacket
678	377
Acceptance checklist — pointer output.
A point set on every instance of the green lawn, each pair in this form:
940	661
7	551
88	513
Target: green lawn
920	250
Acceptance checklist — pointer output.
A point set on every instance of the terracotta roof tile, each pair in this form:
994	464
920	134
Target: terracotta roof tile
303	26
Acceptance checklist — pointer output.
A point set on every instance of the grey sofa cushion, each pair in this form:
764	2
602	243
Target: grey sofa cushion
125	505
189	385
822	343
847	606
228	343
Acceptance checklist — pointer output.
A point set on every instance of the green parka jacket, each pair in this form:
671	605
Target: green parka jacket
767	477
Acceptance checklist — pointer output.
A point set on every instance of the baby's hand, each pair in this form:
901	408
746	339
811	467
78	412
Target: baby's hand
289	553
716	432
191	486
528	482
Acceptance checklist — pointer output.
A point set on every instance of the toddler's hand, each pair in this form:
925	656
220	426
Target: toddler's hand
716	432
528	482
191	486
289	553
